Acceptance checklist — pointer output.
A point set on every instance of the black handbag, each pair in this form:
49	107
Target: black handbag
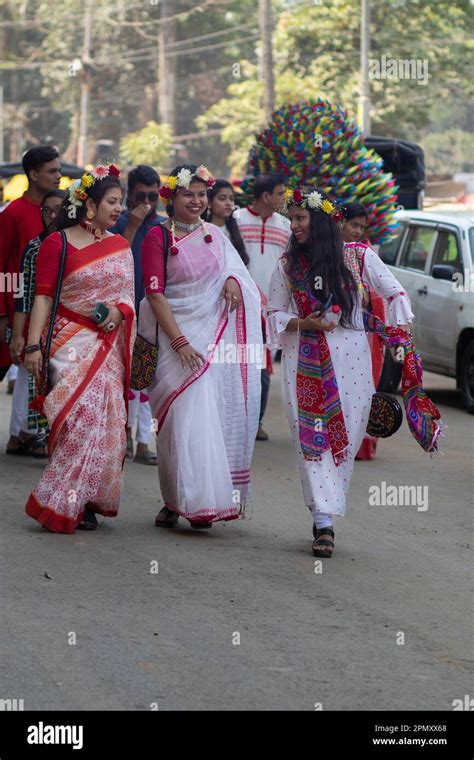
145	354
385	416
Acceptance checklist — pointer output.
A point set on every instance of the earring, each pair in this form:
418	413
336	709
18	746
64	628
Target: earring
89	217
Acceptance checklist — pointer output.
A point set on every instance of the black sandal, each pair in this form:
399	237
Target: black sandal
200	525
89	521
38	444
319	543
30	448
166	518
23	450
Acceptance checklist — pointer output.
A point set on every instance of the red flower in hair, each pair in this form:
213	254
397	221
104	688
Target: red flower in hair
297	195
114	170
338	216
165	192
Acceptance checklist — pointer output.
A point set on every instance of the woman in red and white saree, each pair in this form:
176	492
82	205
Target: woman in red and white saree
90	368
206	393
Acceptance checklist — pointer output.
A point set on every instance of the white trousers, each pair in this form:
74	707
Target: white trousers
139	414
322	519
19	414
12	373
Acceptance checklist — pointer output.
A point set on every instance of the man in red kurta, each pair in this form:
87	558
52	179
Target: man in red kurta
20	222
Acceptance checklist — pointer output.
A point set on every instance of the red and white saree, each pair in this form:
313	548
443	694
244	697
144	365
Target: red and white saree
206	420
90	370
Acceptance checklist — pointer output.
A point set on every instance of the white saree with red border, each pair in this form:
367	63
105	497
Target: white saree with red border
207	420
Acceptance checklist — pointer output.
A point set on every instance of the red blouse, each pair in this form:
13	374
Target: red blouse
47	264
153	261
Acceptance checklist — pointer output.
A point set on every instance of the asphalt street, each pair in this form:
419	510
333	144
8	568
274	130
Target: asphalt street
132	617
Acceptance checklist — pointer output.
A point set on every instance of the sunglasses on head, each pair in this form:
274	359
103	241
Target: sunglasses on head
141	196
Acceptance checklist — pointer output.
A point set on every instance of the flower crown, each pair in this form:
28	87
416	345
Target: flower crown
310	199
78	191
184	179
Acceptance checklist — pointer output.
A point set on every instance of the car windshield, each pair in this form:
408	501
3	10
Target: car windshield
471	242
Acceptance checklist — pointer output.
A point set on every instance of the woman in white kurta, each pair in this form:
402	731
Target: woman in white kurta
326	474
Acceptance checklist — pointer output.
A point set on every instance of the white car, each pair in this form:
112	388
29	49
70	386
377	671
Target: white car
433	257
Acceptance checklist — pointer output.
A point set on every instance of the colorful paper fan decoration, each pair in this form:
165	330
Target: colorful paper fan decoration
316	143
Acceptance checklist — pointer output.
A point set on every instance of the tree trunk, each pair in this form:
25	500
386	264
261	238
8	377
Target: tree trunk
167	67
266	31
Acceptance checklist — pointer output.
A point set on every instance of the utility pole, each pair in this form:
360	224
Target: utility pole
364	99
86	81
265	17
167	67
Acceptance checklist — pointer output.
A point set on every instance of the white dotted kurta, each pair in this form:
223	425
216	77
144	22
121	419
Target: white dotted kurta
325	486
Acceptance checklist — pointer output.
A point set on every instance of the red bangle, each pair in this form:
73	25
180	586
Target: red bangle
179	342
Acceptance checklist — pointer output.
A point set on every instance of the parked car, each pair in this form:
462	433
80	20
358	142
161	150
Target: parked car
432	256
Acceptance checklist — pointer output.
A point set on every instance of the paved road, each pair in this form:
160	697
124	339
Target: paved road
170	639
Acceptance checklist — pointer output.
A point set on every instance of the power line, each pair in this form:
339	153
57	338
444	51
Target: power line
236	28
106	63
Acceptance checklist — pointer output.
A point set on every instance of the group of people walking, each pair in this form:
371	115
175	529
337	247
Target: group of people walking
204	276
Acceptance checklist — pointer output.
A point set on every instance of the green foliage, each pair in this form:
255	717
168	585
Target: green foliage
317	53
241	115
448	152
150	145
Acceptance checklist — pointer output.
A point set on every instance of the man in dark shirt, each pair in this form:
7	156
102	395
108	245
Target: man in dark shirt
134	224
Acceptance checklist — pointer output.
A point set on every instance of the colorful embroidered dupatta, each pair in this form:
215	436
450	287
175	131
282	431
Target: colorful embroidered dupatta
86	408
422	415
320	416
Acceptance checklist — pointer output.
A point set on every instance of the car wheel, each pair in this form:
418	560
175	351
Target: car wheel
467	377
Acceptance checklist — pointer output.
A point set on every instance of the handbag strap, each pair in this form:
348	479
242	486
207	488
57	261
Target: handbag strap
166	243
57	294
165	255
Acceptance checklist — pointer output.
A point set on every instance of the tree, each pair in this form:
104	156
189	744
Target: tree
242	116
150	145
448	152
317	54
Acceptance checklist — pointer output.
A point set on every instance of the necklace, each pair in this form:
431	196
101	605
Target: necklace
92	230
186	227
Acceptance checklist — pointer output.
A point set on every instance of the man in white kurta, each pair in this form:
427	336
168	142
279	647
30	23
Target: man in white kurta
265	233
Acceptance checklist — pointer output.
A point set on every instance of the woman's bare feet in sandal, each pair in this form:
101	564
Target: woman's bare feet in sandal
166	518
323	544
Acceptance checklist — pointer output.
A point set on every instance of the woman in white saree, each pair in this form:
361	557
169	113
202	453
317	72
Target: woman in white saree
205	395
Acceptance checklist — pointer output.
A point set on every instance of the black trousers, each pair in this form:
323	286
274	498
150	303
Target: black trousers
265	389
